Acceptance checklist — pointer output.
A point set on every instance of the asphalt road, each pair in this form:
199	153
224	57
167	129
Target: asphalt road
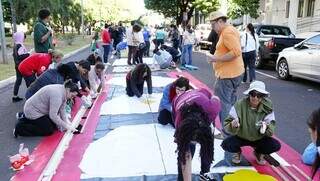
293	103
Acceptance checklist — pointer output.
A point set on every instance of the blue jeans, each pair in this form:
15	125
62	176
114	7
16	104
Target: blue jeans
106	50
226	90
249	59
186	51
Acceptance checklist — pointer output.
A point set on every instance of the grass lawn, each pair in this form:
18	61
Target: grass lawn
7	70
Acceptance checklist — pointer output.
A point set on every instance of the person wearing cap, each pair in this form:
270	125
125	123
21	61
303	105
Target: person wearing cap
251	122
227	63
44	112
94	57
194	114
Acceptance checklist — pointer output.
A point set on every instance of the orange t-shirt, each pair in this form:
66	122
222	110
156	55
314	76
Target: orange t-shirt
229	40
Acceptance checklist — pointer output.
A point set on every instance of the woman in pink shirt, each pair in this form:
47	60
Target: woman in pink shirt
194	111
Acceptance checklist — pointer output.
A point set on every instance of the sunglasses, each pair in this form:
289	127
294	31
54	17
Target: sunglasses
256	94
180	89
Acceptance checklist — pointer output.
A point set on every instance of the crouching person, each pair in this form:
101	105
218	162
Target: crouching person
251	122
172	90
194	112
135	80
44	112
97	78
163	58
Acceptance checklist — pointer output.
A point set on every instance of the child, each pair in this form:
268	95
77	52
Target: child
19	54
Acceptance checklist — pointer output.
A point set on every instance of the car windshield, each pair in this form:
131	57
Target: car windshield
314	40
269	30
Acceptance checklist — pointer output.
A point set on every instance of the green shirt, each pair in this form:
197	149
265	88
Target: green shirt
248	119
40	29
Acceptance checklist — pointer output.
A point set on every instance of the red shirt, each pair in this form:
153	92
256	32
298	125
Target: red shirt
105	35
35	63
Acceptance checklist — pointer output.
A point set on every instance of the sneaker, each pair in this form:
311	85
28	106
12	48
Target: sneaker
259	158
19	115
16	99
236	158
15	134
205	177
218	136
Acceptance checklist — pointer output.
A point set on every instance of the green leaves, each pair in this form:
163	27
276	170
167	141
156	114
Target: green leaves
238	8
175	8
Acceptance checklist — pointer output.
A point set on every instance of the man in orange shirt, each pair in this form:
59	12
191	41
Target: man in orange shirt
227	63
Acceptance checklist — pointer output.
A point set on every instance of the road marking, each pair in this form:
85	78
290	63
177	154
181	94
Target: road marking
267	75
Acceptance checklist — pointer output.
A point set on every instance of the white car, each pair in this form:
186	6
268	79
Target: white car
302	60
202	31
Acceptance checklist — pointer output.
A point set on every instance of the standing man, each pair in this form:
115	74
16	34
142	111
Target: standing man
227	63
106	42
43	32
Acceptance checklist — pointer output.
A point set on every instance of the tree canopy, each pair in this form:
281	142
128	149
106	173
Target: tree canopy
64	12
238	8
176	8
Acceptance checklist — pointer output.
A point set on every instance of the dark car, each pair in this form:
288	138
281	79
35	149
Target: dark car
273	39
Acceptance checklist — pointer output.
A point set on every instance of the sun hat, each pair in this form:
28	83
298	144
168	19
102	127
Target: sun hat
216	15
258	86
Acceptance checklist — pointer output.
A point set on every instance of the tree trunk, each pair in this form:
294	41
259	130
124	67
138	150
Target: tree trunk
13	16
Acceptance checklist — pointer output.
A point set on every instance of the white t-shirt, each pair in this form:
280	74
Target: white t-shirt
189	38
248	43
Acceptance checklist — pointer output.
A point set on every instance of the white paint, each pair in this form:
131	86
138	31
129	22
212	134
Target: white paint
134	151
131	105
121	69
157	81
57	156
123	61
282	161
267	75
230	169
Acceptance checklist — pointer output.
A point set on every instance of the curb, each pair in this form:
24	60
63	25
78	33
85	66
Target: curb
12	79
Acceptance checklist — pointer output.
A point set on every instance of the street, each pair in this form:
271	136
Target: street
293	102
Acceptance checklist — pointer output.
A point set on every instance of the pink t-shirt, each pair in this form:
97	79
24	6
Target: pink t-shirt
208	102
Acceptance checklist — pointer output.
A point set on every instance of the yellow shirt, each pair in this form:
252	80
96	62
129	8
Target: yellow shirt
229	40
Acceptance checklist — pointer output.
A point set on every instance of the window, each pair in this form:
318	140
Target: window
300	8
310	7
314	40
287	9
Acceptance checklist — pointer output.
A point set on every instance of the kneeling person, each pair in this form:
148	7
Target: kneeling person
44	112
251	122
136	78
169	93
97	78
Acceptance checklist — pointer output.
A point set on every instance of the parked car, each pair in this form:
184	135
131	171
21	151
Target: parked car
302	60
273	39
202	31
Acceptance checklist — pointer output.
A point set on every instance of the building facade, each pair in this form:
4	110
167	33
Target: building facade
299	15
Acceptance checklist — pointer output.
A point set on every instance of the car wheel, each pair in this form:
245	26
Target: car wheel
259	63
283	69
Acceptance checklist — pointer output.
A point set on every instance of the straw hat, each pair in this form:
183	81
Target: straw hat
216	15
258	86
